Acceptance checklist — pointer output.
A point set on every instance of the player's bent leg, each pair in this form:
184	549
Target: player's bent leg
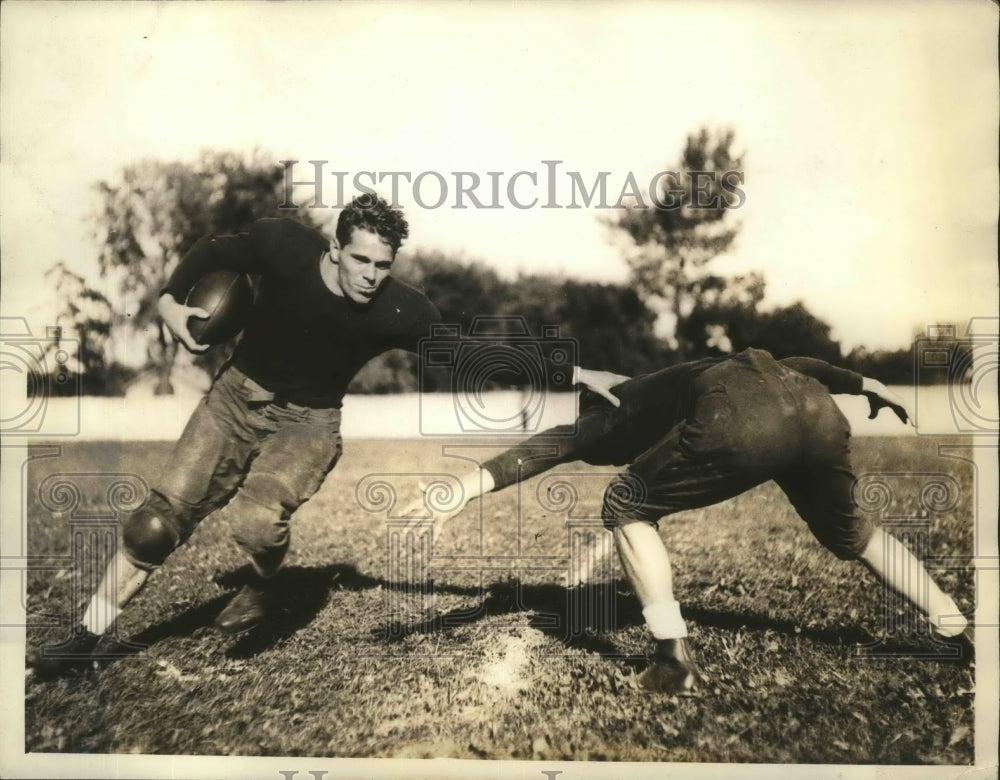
672	669
261	530
149	535
822	497
290	468
259	521
259	517
892	562
205	467
645	561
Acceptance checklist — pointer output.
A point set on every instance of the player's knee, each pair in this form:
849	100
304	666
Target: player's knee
847	547
257	527
623	500
848	541
259	534
149	534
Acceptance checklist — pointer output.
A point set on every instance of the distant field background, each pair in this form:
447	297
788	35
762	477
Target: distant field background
939	410
505	662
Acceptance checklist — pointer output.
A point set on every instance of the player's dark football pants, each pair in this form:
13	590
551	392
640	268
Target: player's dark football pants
747	426
257	460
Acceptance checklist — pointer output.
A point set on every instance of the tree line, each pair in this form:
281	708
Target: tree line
154	211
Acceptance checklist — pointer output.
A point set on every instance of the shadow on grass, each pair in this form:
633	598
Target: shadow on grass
581	618
754	621
576	618
584	617
301	593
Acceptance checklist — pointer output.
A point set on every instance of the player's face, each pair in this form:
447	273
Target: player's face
362	265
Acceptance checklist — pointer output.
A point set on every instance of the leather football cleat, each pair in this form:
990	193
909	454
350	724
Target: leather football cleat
247	610
672	669
56	660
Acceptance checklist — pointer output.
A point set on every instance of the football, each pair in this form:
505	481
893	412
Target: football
227	296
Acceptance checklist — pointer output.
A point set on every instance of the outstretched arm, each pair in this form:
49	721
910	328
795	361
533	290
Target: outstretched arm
836	380
474	484
843	381
537	454
533	456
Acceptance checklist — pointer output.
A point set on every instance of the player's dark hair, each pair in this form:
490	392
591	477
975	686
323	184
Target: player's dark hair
370	212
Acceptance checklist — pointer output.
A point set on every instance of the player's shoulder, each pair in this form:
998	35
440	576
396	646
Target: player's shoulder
400	294
284	246
404	312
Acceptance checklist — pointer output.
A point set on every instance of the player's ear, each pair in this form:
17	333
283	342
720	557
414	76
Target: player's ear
334	251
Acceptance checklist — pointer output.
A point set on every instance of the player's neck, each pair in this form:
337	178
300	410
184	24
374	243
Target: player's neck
328	273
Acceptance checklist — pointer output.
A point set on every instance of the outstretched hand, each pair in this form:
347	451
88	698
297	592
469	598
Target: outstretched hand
424	508
440	500
601	382
881	397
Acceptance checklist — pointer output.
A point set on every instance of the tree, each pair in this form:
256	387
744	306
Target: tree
790	331
728	319
940	353
688	226
894	367
85	315
461	290
612	327
725	317
155	212
610	324
83	321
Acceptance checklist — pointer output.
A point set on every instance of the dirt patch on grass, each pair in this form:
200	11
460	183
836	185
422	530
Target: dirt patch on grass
507	673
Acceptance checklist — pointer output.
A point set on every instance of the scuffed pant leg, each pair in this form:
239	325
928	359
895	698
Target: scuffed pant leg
820	482
821	494
206	464
291	465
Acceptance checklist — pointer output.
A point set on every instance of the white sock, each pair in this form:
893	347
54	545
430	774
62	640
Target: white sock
948	621
100	615
664	620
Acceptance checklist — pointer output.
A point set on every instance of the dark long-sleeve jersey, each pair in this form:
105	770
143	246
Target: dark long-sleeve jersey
651	405
305	343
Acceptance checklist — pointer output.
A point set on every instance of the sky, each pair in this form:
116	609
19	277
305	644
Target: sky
869	130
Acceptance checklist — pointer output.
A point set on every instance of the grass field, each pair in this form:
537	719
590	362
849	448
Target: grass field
503	665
